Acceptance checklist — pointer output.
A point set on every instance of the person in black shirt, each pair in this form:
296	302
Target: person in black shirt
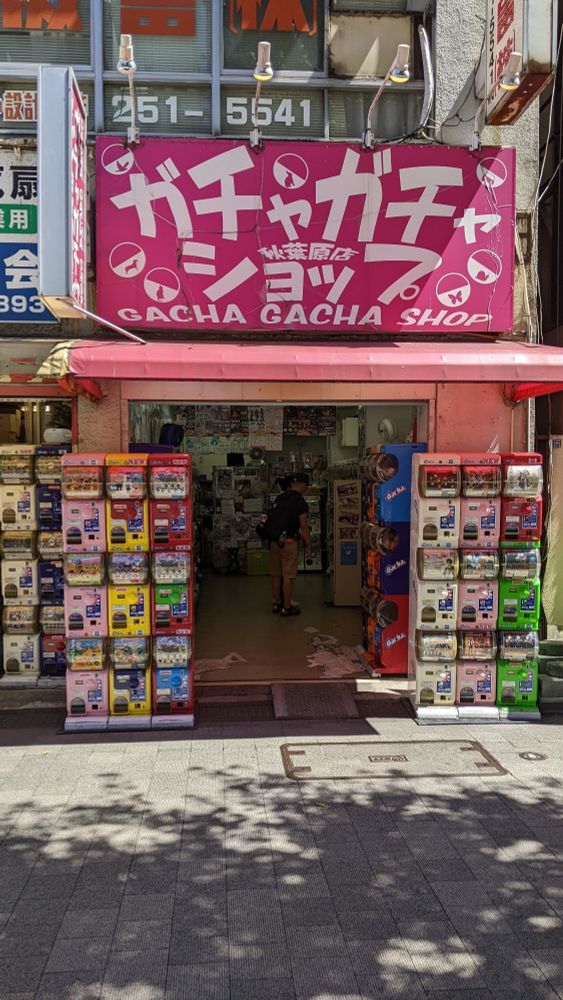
284	559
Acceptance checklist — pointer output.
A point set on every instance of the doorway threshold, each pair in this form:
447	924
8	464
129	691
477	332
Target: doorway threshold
225	703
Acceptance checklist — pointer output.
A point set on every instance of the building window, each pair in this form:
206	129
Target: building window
295	29
174	37
42	31
396	114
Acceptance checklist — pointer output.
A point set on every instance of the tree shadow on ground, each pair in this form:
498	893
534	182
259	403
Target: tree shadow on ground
191	867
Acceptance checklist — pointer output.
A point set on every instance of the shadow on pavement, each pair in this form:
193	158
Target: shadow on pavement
190	867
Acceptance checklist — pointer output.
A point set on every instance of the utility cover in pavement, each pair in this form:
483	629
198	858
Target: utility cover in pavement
313	701
409	759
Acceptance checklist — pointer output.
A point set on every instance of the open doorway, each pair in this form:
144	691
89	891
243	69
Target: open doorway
240	453
35	421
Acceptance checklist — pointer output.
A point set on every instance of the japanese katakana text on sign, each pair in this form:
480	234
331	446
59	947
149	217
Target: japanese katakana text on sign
19	264
208	235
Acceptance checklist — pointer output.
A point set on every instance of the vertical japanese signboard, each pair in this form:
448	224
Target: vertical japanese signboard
19	268
505	22
78	196
204	234
527	28
62	192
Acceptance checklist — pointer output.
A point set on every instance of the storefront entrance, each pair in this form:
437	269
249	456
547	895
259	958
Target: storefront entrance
240	453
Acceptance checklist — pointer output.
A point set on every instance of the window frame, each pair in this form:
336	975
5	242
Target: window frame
217	79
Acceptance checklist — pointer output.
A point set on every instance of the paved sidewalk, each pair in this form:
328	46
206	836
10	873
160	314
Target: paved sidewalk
191	868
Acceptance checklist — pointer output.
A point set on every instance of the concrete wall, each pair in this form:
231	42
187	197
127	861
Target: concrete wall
477	418
99	424
458	38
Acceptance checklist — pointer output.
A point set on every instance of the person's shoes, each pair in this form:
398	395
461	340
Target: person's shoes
276	608
289	612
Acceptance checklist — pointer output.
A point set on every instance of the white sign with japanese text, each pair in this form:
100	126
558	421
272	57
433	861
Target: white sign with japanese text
19	266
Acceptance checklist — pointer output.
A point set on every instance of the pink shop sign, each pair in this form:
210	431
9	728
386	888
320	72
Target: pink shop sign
323	237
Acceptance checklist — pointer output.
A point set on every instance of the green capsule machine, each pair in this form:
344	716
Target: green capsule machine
519	597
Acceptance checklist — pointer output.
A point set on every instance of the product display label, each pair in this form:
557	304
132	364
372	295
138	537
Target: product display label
94	609
530	517
489	520
486	603
95	694
526	684
180	606
484	684
528	602
24	504
137	609
444	683
446	601
448	520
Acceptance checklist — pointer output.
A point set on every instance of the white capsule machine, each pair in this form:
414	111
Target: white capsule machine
434	565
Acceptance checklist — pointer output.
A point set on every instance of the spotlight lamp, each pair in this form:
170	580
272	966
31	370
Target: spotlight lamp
399	73
263	73
508	80
126	63
127	66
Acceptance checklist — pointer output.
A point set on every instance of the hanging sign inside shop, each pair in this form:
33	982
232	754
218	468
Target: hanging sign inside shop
205	234
19	264
41	15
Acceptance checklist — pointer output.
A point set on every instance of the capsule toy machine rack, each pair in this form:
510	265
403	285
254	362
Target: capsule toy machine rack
170	513
433	585
85	591
20	571
49	541
112	577
171	516
386	475
519	585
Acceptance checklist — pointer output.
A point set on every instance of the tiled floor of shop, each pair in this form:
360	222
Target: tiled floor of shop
239	639
190	868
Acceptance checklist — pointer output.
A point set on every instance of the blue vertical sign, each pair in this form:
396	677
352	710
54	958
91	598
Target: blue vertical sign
19	263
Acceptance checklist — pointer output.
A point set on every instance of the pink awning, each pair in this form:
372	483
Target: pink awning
498	361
